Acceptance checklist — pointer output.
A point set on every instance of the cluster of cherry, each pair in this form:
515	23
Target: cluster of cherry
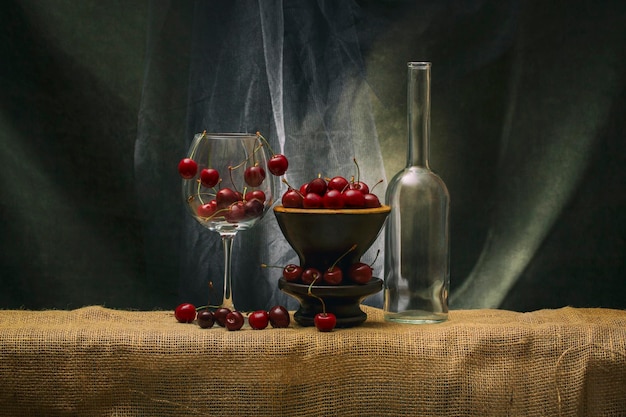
277	316
331	193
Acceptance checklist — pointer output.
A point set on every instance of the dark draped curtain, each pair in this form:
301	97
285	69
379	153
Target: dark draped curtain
528	112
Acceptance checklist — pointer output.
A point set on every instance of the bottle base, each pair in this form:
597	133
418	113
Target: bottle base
416	317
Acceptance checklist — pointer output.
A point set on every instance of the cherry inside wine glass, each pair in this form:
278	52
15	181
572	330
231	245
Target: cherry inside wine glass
226	188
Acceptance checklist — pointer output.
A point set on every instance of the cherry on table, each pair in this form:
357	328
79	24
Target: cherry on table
205	319
220	316
187	168
234	320
259	319
279	317
185	313
325	322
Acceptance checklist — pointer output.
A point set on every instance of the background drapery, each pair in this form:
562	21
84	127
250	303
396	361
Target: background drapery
101	99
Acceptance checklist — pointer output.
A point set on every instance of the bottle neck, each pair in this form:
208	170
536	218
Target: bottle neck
418	113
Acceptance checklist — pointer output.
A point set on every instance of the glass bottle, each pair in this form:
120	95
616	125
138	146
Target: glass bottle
417	254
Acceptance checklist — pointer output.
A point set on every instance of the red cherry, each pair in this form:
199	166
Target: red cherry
311	275
338	183
256	194
220	315
371	200
236	212
278	165
253	208
354	198
234	321
312	200
259	319
226	197
254	175
317	186
360	273
185	313
361	186
292	199
333	276
206	319
187	168
292	272
279	317
209	177
333	199
207	209
303	188
325	322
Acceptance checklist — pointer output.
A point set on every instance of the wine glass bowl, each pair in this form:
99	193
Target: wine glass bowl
237	162
325	237
226	188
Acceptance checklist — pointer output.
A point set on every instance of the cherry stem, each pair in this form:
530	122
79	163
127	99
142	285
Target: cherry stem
195	148
374	186
289	185
206	307
220	211
271	266
358	170
341	257
230	173
375	258
198	192
310	293
266	142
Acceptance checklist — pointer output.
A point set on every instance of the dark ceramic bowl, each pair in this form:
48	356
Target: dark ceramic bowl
320	237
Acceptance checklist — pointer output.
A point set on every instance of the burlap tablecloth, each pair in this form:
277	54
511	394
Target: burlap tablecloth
102	362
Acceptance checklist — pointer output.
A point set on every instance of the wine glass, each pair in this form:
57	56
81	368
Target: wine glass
226	188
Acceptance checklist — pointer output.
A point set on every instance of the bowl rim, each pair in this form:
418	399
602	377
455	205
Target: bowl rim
312	211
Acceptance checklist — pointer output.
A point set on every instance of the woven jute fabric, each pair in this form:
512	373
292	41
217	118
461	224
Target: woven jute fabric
96	361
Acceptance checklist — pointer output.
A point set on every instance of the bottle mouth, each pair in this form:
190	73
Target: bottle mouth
419	64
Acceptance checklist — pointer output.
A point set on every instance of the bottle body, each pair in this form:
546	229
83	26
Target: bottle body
417	271
417	246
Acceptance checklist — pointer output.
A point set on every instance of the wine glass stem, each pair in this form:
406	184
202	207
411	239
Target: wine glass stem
227	243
